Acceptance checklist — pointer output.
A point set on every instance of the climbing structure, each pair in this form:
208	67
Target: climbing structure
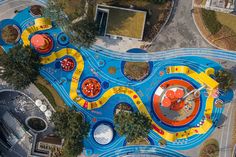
42	43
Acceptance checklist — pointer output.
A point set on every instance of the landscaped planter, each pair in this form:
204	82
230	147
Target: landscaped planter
10	34
136	71
36	124
36	10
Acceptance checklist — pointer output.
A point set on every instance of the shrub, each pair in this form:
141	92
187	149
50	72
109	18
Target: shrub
210	20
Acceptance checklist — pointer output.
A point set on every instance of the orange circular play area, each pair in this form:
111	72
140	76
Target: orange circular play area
91	87
42	43
173	105
67	64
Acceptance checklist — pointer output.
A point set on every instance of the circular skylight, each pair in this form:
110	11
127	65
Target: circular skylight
103	134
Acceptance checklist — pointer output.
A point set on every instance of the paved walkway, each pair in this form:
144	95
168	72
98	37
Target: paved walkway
8	7
180	31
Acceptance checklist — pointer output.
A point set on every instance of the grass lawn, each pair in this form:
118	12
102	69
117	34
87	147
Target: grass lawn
227	20
50	93
210	20
125	23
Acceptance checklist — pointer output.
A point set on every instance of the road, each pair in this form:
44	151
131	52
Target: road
180	31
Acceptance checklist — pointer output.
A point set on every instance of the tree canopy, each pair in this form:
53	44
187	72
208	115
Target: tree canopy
225	79
134	125
73	20
71	126
21	66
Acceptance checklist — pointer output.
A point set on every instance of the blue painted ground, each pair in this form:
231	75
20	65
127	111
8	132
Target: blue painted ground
145	89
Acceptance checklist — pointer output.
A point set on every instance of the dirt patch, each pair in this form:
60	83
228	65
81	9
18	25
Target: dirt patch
10	34
210	148
136	70
36	10
225	38
234	131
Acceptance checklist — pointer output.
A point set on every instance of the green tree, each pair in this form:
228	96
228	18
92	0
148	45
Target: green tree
86	31
73	20
21	66
70	126
134	125
225	79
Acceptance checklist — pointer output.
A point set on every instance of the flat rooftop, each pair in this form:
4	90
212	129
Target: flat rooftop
124	22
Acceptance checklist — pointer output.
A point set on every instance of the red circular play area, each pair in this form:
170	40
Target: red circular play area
67	64
42	43
91	87
173	105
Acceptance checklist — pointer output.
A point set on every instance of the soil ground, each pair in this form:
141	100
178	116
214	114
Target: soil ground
9	34
136	70
210	148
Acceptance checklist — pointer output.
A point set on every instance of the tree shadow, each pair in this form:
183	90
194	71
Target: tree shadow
222	120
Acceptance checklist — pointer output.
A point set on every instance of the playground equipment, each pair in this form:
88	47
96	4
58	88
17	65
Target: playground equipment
67	64
91	87
40	24
42	43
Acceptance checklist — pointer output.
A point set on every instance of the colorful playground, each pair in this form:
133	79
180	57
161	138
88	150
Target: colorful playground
178	95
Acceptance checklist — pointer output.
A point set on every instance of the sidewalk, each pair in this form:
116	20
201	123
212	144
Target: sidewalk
118	44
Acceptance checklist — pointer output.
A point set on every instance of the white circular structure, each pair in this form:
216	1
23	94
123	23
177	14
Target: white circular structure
103	134
48	113
38	102
43	108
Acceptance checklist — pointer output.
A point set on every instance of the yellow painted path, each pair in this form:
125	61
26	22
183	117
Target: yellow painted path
202	78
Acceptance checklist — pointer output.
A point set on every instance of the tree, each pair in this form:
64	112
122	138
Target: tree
134	125
86	31
225	79
21	66
75	23
70	126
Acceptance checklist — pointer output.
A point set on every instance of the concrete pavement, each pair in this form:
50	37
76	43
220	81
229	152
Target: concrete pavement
180	31
8	7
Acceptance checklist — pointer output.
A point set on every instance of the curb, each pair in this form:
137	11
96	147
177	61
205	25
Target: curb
162	27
